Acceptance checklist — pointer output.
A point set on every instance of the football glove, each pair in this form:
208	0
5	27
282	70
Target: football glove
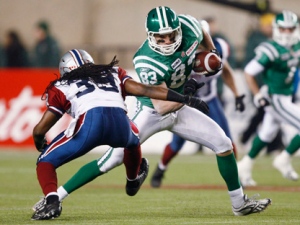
260	101
239	104
191	86
216	52
196	103
41	144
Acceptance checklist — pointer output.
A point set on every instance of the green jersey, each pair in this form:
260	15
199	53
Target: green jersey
153	68
279	64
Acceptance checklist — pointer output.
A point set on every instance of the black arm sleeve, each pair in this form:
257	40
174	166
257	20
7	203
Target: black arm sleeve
175	97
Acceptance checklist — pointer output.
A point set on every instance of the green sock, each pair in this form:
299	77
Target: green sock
294	145
257	146
84	175
229	172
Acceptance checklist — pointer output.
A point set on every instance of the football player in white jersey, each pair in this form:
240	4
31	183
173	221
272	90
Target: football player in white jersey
165	59
94	96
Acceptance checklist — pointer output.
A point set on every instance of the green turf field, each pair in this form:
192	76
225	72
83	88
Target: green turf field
193	193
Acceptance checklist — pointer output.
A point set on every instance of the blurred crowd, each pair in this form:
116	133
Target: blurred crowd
45	53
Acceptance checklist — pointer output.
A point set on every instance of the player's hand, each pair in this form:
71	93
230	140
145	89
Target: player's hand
191	86
41	145
260	101
239	104
215	51
207	74
196	103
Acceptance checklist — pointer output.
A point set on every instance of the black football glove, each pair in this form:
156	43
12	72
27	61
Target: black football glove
196	103
239	104
216	52
260	101
191	86
41	144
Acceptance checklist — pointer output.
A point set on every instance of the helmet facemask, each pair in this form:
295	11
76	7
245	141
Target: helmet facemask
286	20
163	21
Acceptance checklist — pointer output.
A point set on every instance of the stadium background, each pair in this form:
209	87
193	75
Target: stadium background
106	28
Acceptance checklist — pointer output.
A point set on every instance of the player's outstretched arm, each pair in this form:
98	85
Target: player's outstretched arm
162	93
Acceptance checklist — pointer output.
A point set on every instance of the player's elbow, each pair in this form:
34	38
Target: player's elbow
38	131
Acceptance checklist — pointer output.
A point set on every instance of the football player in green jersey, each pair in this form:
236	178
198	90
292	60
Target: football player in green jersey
278	60
166	59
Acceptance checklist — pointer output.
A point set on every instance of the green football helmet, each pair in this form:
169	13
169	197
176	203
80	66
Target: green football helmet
286	19
163	20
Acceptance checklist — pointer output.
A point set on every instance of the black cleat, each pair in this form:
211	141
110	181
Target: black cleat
157	178
48	211
132	187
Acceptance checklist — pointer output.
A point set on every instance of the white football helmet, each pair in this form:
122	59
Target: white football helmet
73	59
286	19
163	20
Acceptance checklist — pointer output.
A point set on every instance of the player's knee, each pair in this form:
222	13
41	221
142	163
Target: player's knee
224	146
267	137
109	165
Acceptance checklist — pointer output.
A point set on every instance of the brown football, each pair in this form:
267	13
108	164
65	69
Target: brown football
206	62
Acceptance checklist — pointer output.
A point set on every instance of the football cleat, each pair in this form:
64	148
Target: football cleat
48	211
283	164
251	205
39	204
132	187
157	178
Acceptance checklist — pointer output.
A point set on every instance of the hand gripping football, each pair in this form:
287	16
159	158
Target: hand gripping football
206	62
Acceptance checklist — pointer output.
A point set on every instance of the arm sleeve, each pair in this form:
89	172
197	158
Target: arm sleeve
57	102
253	68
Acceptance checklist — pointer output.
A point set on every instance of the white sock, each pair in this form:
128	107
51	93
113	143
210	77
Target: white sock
132	179
284	154
51	193
62	193
237	197
162	166
248	160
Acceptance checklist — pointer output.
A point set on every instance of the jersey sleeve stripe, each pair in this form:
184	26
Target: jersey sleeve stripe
264	50
272	49
190	24
55	110
124	79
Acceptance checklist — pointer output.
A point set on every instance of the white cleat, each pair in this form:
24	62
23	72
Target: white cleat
282	162
251	205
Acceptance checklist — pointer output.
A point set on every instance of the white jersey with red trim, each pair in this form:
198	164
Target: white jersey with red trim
80	95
